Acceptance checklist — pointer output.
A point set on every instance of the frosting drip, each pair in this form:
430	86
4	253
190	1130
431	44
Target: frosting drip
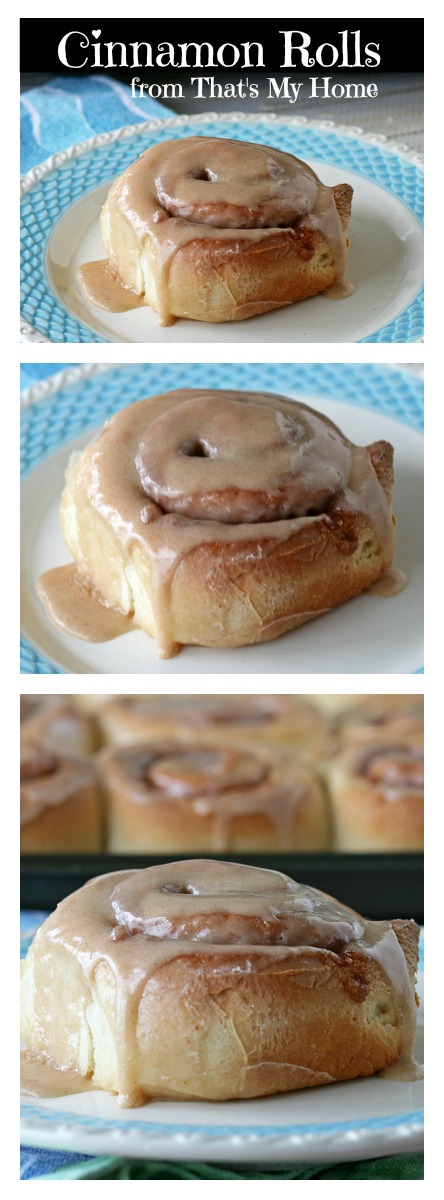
135	922
150	476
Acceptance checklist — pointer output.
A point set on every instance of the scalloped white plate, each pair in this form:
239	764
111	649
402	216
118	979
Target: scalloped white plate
365	1118
365	635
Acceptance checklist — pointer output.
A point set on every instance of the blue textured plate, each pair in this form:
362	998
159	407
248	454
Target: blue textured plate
61	201
360	1119
369	402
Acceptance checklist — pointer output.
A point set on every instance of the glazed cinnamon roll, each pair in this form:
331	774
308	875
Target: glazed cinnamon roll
219	982
219	720
60	807
381	717
57	719
222	519
170	797
377	795
219	230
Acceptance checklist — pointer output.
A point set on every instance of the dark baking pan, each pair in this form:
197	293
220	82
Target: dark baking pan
377	885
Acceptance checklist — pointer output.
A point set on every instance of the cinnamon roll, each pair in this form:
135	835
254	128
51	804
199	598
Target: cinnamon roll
60	809
219	230
381	717
168	797
221	519
377	795
57	719
218	720
218	982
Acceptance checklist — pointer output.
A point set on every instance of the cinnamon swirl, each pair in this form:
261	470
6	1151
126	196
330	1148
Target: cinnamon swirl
219	230
223	518
218	720
169	797
219	982
377	795
60	807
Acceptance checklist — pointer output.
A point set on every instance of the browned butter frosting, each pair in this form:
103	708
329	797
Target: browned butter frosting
137	922
218	468
207	190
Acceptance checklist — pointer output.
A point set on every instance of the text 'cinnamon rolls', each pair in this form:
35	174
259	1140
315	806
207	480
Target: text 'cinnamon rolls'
221	519
217	981
218	230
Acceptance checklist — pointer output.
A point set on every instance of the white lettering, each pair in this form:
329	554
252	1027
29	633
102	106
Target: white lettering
301	49
136	46
62	47
372	51
284	90
320	55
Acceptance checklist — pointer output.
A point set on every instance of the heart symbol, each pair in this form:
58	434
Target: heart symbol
96	32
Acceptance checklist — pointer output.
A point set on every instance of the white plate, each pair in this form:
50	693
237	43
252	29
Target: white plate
366	634
385	265
365	1118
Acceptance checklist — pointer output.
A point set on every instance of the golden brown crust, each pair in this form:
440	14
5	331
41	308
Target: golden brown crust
264	589
327	1018
219	281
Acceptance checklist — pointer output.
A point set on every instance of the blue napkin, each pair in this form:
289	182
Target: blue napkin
72	109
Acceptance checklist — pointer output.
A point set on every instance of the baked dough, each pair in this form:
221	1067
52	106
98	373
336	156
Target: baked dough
217	720
176	798
376	792
219	230
227	518
60	808
219	982
378	718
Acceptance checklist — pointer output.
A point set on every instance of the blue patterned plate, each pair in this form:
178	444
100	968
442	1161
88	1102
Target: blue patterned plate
365	1118
61	201
368	402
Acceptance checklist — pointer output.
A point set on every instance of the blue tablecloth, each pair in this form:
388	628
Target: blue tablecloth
69	110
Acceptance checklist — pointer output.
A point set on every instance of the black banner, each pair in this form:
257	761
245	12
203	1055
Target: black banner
346	45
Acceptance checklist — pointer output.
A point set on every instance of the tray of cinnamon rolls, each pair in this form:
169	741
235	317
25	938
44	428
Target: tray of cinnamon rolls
328	789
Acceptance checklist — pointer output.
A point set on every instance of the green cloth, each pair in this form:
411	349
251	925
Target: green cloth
397	1166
